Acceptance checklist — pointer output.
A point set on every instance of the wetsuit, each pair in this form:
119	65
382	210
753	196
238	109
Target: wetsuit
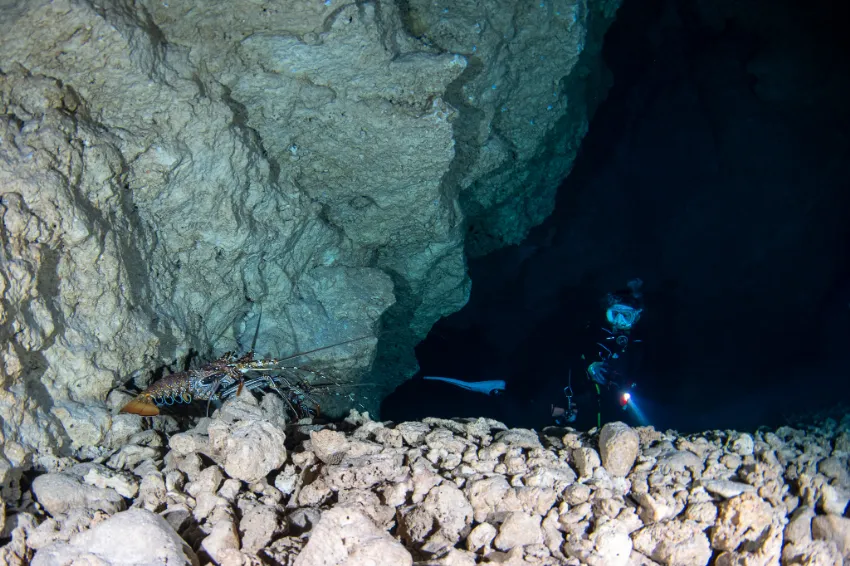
609	369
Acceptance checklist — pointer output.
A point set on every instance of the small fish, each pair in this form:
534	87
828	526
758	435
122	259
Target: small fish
494	387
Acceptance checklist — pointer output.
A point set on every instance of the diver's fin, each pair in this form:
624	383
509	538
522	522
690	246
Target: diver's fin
485	387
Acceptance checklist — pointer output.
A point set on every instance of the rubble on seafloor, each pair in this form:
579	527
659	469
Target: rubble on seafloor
244	487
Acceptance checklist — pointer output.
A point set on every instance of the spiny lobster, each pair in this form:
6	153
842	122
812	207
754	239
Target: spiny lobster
226	377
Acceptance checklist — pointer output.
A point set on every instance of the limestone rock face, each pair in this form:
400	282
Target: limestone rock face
179	177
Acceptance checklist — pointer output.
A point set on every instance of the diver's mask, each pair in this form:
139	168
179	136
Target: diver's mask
622	317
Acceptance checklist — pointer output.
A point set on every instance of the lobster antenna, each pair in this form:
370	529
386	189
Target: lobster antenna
313	351
257	330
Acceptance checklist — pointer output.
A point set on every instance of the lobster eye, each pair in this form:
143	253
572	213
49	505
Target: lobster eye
208	380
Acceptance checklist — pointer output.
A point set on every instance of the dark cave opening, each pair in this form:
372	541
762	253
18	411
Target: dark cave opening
718	171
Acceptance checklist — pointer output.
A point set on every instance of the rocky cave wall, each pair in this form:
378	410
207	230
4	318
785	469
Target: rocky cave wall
178	176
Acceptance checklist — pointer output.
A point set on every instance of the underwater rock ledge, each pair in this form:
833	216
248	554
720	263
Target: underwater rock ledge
244	487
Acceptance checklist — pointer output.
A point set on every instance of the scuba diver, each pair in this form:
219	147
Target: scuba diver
607	366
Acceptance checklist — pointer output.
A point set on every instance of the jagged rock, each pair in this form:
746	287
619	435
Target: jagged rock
345	535
679	461
365	471
207	481
799	527
152	492
673	543
742	445
123	483
518	529
60	493
491	498
450	509
612	544
130	456
833	529
654	508
133	537
246	442
726	489
702	513
329	446
223	541
833	500
618	447
522	437
86	425
481	536
577	494
747	528
586	460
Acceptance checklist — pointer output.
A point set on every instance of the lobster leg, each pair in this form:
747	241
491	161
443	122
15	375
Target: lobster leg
212	394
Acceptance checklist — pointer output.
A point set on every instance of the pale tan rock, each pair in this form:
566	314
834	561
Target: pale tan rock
329	446
618	448
577	494
248	450
833	500
258	527
491	497
742	444
365	471
455	557
371	504
654	507
135	536
673	543
519	437
413	433
673	461
416	524
743	518
222	541
480	536
813	553
230	488
586	460
60	493
727	489
702	513
347	536
450	509
607	545
185	443
98	475
518	529
152	492
833	529
130	456
207	481
315	493
799	527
